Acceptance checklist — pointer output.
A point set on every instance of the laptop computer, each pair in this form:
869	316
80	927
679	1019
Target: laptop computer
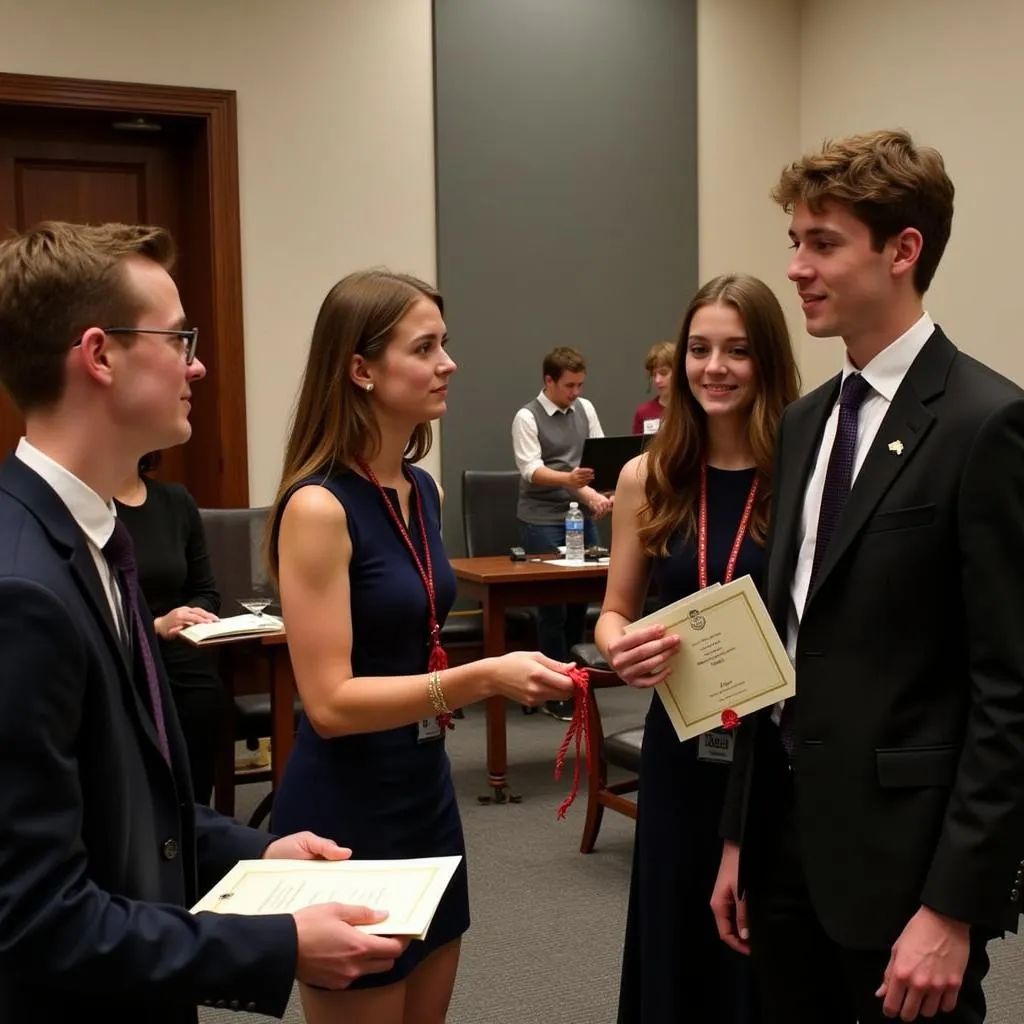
607	455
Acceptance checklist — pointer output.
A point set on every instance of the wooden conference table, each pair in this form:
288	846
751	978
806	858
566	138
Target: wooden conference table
498	584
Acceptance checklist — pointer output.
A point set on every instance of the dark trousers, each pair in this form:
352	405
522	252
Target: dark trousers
559	626
802	975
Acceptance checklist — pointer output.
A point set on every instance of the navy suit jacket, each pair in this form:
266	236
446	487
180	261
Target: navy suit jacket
102	847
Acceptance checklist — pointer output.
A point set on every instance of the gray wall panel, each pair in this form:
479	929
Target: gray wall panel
566	204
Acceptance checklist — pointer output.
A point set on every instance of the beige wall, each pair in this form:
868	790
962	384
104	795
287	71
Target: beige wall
748	117
335	123
336	143
951	73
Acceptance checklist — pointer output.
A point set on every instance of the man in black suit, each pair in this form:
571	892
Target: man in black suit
101	844
880	813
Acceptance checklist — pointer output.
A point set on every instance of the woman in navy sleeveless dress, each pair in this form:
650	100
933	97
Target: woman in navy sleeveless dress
710	464
365	584
391	796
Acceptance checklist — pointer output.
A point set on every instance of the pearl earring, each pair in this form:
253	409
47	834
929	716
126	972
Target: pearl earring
369	387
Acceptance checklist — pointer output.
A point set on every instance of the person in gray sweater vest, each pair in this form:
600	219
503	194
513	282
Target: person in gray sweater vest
547	439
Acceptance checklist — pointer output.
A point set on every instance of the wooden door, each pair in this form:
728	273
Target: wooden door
66	154
72	169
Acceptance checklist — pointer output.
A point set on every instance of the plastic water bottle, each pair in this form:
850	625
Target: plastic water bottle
574	546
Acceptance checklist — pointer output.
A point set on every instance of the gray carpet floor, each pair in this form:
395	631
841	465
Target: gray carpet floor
547	928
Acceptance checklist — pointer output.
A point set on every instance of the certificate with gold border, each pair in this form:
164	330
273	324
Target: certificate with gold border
730	658
409	890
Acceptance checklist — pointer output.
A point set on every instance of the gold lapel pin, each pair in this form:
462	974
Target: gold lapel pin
896	447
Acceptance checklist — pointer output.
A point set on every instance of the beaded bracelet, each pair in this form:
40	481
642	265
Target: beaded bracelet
437	698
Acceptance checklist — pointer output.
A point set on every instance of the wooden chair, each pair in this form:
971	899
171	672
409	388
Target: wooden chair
620	749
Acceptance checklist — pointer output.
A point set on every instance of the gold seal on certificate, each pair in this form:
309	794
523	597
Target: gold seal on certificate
729	663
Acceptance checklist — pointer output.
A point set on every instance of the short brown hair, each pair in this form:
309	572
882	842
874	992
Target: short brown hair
334	423
660	354
563	360
887	182
56	281
675	452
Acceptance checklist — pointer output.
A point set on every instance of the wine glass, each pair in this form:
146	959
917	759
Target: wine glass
255	604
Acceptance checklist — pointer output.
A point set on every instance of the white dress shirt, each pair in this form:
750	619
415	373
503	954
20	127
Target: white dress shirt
93	515
525	442
884	373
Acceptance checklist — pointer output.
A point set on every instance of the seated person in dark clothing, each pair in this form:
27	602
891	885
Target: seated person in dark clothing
178	585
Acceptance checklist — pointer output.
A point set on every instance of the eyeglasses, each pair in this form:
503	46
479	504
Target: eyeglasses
188	336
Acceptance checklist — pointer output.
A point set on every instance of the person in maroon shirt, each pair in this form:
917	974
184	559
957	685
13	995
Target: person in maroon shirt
658	365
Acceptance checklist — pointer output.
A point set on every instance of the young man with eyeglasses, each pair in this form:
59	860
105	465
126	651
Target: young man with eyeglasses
102	848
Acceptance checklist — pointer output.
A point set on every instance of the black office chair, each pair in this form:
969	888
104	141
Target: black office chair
489	498
234	537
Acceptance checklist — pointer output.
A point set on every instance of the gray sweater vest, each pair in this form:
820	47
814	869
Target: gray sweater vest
561	447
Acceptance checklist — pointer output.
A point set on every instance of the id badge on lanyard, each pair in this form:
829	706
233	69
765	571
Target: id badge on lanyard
428	730
717	745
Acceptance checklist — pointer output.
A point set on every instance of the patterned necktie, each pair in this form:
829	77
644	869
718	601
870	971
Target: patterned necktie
120	553
838	480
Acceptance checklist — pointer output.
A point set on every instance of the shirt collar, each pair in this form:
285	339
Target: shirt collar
886	371
93	515
550	408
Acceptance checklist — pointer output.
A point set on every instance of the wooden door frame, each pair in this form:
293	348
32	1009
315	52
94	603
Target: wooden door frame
214	111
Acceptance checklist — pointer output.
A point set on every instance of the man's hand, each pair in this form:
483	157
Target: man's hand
926	968
332	953
729	908
305	846
580	477
170	625
599	505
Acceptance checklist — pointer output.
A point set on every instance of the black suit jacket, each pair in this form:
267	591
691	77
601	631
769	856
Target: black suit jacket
101	845
909	718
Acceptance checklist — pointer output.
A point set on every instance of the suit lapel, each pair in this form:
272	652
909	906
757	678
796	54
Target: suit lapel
70	543
803	429
905	426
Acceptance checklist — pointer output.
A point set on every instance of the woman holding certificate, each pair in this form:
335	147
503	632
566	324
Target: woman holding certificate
365	586
690	512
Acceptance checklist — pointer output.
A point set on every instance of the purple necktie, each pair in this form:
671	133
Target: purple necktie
838	479
120	553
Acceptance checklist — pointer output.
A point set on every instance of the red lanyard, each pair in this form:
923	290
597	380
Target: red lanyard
438	659
702	529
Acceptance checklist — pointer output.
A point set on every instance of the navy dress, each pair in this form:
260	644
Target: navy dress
384	794
675	968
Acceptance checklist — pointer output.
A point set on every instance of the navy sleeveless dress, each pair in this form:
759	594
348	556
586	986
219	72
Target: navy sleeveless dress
675	969
384	794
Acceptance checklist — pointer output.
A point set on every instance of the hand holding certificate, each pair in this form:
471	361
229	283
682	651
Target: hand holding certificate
729	660
409	890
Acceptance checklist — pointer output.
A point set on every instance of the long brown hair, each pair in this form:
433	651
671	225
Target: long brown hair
675	452
333	423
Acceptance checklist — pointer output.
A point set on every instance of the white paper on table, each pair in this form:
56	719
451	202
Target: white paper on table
410	890
570	564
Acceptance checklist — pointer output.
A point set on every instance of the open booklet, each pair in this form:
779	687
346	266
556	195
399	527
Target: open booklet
409	890
234	625
730	661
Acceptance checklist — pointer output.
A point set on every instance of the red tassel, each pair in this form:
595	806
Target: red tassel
437	662
578	730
